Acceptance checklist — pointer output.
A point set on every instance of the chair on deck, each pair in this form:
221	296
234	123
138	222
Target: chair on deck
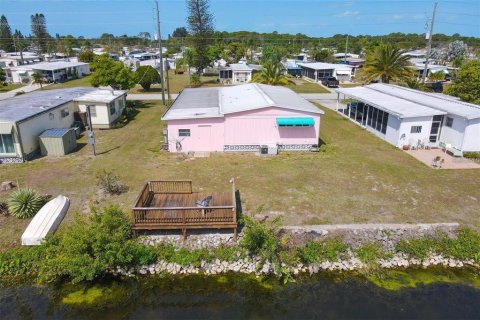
204	203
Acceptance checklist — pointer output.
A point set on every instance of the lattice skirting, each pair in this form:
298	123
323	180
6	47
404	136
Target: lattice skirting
294	147
11	160
241	148
256	148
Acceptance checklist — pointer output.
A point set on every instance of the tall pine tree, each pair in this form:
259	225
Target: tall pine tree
39	32
6	40
200	23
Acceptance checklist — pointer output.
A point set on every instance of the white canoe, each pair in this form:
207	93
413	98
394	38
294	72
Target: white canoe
46	221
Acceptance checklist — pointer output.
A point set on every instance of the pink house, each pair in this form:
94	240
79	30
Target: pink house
242	118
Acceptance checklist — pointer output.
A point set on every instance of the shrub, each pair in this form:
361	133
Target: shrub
195	80
465	246
92	247
110	183
472	155
369	253
25	203
261	238
4	208
418	248
21	261
316	251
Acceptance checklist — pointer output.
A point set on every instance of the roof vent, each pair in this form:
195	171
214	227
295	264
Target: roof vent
58	97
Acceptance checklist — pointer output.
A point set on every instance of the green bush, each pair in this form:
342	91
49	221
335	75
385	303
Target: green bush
195	80
472	155
21	261
261	238
25	203
92	247
329	250
370	253
465	246
418	248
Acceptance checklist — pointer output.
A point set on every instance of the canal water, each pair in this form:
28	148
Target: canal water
401	295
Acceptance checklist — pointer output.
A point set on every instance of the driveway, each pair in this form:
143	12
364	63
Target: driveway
328	100
12	93
150	96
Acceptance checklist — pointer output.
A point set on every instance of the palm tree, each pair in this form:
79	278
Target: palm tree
387	63
37	79
414	83
273	74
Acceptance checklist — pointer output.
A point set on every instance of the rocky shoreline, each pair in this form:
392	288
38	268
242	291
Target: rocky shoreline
387	236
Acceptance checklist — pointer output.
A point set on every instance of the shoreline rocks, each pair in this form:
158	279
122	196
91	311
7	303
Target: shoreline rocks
386	235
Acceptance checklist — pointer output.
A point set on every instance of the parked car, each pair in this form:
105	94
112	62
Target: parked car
330	82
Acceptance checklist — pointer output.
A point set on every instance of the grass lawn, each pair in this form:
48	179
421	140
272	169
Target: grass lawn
177	83
357	179
81	82
302	86
10	86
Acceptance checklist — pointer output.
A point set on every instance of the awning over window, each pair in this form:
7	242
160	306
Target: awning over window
296	122
6	127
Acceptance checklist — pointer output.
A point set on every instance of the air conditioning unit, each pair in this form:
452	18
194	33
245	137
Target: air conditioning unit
273	149
263	149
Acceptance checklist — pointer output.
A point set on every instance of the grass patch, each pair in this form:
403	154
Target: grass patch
303	86
178	82
10	86
81	82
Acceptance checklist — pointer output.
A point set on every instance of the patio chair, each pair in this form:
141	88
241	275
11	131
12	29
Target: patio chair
204	203
426	144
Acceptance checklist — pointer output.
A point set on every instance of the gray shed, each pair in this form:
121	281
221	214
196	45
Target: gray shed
58	142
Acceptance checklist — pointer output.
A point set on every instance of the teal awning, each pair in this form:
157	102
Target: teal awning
296	122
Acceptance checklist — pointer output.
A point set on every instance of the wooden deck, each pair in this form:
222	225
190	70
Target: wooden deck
172	205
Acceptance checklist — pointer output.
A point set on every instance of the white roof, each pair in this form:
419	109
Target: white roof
388	103
218	101
324	66
444	103
101	95
50	66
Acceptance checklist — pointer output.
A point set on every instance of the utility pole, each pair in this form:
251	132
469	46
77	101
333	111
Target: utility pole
160	53
429	46
91	134
346	50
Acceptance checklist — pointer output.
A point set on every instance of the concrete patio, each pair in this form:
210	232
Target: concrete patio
450	162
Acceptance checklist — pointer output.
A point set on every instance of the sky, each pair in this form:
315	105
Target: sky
316	18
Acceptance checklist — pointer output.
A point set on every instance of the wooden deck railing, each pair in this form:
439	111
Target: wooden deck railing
148	218
171	186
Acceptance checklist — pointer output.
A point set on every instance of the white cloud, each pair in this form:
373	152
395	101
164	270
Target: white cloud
348	14
397	16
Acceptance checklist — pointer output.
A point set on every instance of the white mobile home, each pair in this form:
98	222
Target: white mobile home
404	116
105	106
320	70
23	118
237	73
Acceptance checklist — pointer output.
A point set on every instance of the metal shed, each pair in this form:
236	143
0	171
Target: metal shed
57	142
